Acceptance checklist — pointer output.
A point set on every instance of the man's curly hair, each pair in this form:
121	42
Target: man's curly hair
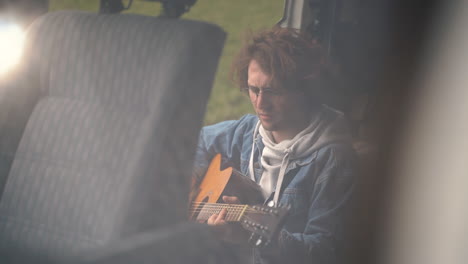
294	60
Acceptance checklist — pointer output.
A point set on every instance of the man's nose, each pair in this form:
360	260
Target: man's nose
262	101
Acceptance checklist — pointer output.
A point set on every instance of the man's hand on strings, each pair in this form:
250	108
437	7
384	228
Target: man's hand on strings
218	219
230	232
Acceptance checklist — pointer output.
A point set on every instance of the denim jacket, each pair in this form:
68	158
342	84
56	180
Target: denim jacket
318	189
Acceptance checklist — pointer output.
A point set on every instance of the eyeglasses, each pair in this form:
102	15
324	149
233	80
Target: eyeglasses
265	91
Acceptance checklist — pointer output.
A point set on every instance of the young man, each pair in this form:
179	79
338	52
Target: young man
295	148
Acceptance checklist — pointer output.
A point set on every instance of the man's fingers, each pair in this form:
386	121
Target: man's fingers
212	219
231	199
222	215
217	219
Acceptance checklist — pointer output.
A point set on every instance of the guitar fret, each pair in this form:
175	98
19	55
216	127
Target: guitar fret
241	213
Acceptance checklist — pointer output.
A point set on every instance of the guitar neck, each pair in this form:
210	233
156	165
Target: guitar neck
203	211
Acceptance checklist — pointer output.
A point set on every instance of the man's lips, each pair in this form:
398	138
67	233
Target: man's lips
265	116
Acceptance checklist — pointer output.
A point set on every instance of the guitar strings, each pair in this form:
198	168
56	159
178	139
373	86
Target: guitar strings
216	206
229	210
233	214
202	205
215	210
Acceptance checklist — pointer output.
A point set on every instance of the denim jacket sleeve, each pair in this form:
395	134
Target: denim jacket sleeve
330	186
226	138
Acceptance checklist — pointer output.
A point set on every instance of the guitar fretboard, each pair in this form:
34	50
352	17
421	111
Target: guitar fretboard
206	210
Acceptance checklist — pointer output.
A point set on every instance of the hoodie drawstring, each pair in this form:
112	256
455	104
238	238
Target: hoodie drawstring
251	168
279	182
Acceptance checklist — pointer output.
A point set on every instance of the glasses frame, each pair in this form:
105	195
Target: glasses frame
267	91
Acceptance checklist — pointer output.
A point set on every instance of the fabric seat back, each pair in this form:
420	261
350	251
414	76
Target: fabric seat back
99	129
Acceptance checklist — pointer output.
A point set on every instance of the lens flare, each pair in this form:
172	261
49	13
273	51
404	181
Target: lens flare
11	46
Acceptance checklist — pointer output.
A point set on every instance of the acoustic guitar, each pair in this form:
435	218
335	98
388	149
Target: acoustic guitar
263	222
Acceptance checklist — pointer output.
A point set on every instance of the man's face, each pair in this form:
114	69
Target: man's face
279	110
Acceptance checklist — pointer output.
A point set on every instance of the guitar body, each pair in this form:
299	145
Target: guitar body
229	182
214	182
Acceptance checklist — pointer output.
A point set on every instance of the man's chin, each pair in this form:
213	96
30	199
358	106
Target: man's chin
268	126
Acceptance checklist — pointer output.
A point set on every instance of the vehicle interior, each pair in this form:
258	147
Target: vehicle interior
100	115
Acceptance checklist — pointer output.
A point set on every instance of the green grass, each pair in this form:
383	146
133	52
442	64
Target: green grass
236	17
